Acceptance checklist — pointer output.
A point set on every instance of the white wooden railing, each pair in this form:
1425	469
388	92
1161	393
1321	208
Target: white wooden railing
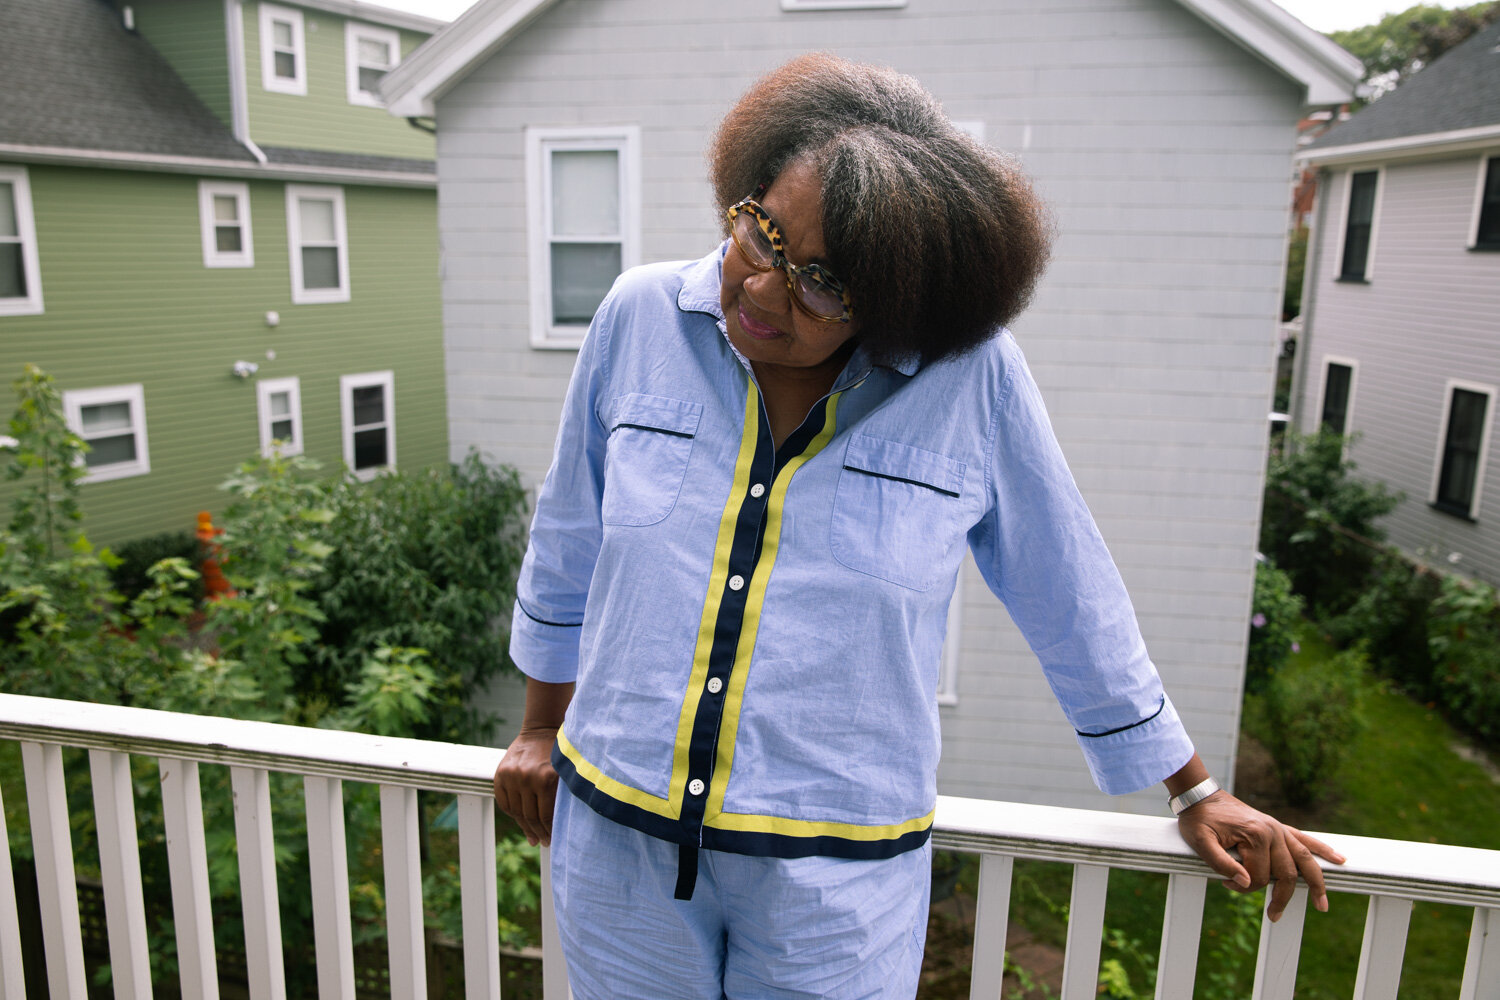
1394	874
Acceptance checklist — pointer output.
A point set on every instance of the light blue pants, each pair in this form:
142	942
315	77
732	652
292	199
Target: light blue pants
755	928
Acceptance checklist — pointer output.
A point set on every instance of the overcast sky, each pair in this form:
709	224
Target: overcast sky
1323	15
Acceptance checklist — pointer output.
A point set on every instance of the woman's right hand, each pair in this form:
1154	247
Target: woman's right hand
526	783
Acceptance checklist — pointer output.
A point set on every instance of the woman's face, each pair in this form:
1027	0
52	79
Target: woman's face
762	321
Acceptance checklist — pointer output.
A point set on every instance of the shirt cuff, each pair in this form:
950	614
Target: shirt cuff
544	651
1128	760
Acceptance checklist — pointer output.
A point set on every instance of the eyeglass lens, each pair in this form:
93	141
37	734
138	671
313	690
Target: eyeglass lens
816	296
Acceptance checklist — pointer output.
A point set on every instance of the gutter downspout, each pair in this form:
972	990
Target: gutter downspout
239	110
1311	272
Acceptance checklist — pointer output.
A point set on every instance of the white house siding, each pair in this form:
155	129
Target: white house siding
1163	149
1428	315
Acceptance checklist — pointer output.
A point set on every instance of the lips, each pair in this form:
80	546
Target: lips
755	329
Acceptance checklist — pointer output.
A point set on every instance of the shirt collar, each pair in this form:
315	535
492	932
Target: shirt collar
700	293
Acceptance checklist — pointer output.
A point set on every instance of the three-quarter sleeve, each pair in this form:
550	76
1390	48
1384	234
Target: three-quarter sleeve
565	532
1041	553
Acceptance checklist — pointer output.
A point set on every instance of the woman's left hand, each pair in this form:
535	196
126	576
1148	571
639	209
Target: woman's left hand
1270	851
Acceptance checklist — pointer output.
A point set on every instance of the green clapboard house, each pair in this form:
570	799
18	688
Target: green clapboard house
215	237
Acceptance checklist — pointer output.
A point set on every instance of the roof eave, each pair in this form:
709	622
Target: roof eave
375	14
208	166
411	89
1428	144
1328	74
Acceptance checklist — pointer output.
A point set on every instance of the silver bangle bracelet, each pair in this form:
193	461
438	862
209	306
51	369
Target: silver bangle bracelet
1192	796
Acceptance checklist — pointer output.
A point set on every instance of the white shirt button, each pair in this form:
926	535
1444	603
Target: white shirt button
695	786
758	490
736	582
715	685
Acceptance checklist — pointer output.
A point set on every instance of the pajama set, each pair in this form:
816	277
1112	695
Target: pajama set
755	633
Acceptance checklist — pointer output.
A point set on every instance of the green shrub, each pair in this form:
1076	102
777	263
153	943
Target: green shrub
1318	523
1277	615
427	560
1464	638
1390	618
132	574
1312	714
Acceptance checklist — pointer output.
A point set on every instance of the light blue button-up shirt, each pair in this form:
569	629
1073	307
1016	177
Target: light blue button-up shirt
755	632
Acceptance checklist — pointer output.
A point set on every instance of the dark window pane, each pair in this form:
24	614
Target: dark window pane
227	239
1466	420
369	405
12	272
581	275
320	267
281	430
369	79
1336	398
1489	212
1357	231
370	449
110	450
286	65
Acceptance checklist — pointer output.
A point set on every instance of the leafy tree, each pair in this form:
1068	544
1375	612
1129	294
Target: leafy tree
1399	45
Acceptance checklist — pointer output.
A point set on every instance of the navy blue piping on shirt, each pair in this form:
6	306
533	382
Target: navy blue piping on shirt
1121	729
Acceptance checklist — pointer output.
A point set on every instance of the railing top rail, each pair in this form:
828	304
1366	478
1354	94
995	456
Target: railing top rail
1433	872
446	767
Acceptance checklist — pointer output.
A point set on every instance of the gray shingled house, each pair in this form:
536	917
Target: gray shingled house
570	144
1401	337
212	237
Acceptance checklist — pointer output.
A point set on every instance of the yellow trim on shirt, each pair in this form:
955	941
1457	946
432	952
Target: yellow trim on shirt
717	578
734	696
745	823
614	789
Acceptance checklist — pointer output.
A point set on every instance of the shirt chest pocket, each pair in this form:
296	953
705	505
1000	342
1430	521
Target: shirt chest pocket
898	512
646	457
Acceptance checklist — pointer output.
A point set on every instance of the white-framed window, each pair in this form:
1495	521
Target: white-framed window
839	4
319	243
369	54
1463	446
1336	394
367	403
113	422
1361	222
1484	232
584	219
279	406
224	217
20	274
283	50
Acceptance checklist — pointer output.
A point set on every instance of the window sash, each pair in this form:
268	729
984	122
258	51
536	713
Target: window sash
279	409
1487	235
367	403
370	52
224	216
20	280
1338	380
1359	226
283	50
112	421
319	244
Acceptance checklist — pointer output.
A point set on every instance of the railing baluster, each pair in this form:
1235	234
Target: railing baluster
56	882
1181	928
554	966
120	869
1280	944
1482	967
187	863
257	855
1384	947
1085	930
403	892
328	861
476	868
991	916
12	976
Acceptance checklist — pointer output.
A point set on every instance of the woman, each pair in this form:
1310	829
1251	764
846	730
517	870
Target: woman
770	465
